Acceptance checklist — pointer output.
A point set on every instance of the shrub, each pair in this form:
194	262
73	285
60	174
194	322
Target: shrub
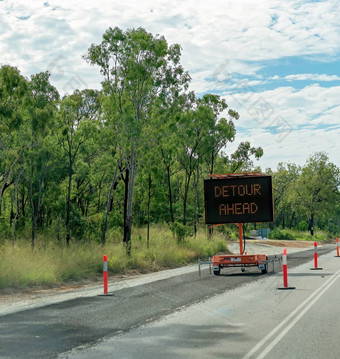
179	230
281	234
303	225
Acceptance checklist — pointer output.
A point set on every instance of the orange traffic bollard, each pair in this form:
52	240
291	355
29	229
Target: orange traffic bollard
285	271
316	257
105	269
284	268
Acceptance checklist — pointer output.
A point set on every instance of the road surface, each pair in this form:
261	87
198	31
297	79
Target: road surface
183	316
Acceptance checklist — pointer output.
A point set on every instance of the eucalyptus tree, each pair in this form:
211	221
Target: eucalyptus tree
78	125
41	109
149	188
241	160
13	98
223	130
316	190
202	135
139	69
283	177
192	130
13	91
113	159
170	145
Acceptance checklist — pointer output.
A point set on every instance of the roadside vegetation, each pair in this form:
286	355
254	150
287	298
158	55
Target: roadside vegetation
52	263
121	169
294	234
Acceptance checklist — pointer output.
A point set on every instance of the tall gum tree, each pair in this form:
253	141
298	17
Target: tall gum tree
316	190
77	126
202	135
284	175
13	101
139	69
38	121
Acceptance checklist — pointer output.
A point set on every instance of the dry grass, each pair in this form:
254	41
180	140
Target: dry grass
52	264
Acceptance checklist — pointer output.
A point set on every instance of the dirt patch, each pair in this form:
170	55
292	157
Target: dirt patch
293	244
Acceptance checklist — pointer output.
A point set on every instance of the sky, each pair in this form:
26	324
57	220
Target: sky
277	63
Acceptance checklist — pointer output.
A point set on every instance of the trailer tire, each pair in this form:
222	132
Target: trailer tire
217	271
264	271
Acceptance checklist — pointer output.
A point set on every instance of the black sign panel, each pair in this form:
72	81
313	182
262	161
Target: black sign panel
238	200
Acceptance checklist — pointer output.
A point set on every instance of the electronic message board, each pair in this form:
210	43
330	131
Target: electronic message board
238	200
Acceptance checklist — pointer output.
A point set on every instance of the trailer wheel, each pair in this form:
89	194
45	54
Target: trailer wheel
217	271
264	271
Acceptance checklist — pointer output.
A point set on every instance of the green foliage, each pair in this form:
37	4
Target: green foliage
93	227
281	234
229	231
301	235
95	163
179	231
303	225
306	197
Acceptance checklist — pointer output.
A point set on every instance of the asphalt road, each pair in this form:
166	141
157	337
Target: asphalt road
48	331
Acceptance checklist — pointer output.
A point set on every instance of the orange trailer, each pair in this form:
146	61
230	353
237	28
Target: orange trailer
239	260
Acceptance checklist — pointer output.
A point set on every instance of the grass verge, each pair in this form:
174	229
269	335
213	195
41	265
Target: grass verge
52	264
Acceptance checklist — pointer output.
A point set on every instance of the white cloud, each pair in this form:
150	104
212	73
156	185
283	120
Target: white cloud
224	43
289	124
312	77
209	33
295	148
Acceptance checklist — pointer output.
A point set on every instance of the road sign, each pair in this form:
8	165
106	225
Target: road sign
238	199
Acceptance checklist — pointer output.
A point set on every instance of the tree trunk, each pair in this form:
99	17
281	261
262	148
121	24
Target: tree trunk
129	206
291	220
32	210
16	211
170	194
68	207
35	208
108	206
168	172
149	200
126	183
186	190
11	215
212	162
196	199
23	203
311	224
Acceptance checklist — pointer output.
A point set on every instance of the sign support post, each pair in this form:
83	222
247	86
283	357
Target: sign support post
240	230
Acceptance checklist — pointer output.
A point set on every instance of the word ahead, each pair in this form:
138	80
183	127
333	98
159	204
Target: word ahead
238	200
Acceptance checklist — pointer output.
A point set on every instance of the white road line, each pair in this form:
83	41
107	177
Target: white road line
293	318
